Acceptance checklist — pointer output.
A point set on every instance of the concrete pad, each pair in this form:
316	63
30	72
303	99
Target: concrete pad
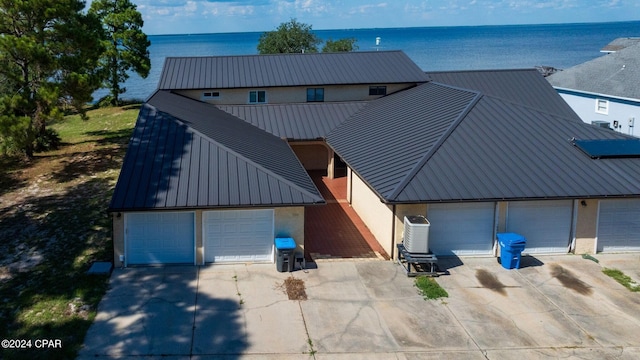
605	315
336	280
100	268
417	324
385	280
499	310
565	353
345	326
446	355
156	319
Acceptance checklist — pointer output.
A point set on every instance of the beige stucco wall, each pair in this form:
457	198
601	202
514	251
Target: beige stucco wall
288	222
118	238
313	156
586	226
376	215
293	94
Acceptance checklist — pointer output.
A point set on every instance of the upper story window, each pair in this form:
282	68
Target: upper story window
602	106
377	90
257	97
315	94
210	95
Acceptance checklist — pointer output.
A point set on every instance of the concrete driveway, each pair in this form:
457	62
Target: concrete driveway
555	306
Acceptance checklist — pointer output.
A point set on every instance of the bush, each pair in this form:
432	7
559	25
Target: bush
50	140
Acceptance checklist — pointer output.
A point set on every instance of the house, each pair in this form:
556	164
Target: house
605	90
217	164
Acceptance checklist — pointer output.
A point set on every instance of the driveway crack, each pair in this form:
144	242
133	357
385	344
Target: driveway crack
195	312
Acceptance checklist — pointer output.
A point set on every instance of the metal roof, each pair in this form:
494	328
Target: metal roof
301	121
616	74
257	71
522	86
386	140
453	144
188	154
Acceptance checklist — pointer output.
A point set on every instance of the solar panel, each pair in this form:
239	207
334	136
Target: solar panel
609	148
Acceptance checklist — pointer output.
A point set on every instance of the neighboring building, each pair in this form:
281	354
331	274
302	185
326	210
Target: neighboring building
216	166
605	91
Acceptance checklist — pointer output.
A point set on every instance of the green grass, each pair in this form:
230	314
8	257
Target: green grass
53	226
623	279
429	288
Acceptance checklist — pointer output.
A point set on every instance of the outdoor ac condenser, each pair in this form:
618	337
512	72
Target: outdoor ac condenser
416	234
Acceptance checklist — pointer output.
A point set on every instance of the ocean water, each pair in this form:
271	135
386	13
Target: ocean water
432	48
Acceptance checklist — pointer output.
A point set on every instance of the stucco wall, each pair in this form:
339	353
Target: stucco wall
376	215
118	238
312	156
289	222
293	94
586	226
585	107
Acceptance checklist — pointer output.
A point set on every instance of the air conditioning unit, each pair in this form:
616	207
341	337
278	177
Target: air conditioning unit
416	234
602	124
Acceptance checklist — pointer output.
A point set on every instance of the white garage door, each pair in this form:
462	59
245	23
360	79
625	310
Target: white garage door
461	229
619	225
159	238
238	235
546	225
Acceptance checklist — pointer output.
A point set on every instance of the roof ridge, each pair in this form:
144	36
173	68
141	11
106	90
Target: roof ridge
440	141
237	154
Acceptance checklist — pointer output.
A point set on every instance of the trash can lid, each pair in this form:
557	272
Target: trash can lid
511	238
285	243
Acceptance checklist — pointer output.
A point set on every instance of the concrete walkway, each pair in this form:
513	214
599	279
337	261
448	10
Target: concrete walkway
555	306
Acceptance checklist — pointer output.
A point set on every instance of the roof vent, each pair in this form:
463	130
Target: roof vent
602	124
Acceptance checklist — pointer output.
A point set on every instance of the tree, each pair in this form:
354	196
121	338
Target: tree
49	51
289	37
340	45
126	44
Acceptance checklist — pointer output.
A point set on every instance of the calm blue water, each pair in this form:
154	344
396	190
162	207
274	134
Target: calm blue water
432	48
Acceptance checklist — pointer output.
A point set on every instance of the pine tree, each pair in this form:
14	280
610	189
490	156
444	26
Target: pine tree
126	45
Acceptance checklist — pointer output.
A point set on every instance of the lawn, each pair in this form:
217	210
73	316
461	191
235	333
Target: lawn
53	226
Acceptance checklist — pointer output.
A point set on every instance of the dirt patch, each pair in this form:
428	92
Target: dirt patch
294	288
569	280
490	281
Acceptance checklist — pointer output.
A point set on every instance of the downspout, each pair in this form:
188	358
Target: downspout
393	232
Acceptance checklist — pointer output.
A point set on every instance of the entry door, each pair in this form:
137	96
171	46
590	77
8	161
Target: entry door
238	235
546	225
619	225
159	238
461	228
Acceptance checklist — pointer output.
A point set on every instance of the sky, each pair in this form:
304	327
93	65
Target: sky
216	16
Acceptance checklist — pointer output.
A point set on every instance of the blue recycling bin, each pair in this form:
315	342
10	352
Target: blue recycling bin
285	248
511	246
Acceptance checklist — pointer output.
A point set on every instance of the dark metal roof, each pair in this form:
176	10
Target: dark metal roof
525	87
460	145
188	154
256	71
303	121
386	140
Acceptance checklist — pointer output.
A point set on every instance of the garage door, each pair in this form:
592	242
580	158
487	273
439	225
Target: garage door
238	235
461	229
159	238
545	224
619	225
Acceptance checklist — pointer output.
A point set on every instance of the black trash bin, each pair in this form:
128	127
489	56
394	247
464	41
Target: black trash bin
285	248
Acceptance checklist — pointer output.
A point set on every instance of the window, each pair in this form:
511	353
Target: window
315	94
210	94
257	97
377	90
602	106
